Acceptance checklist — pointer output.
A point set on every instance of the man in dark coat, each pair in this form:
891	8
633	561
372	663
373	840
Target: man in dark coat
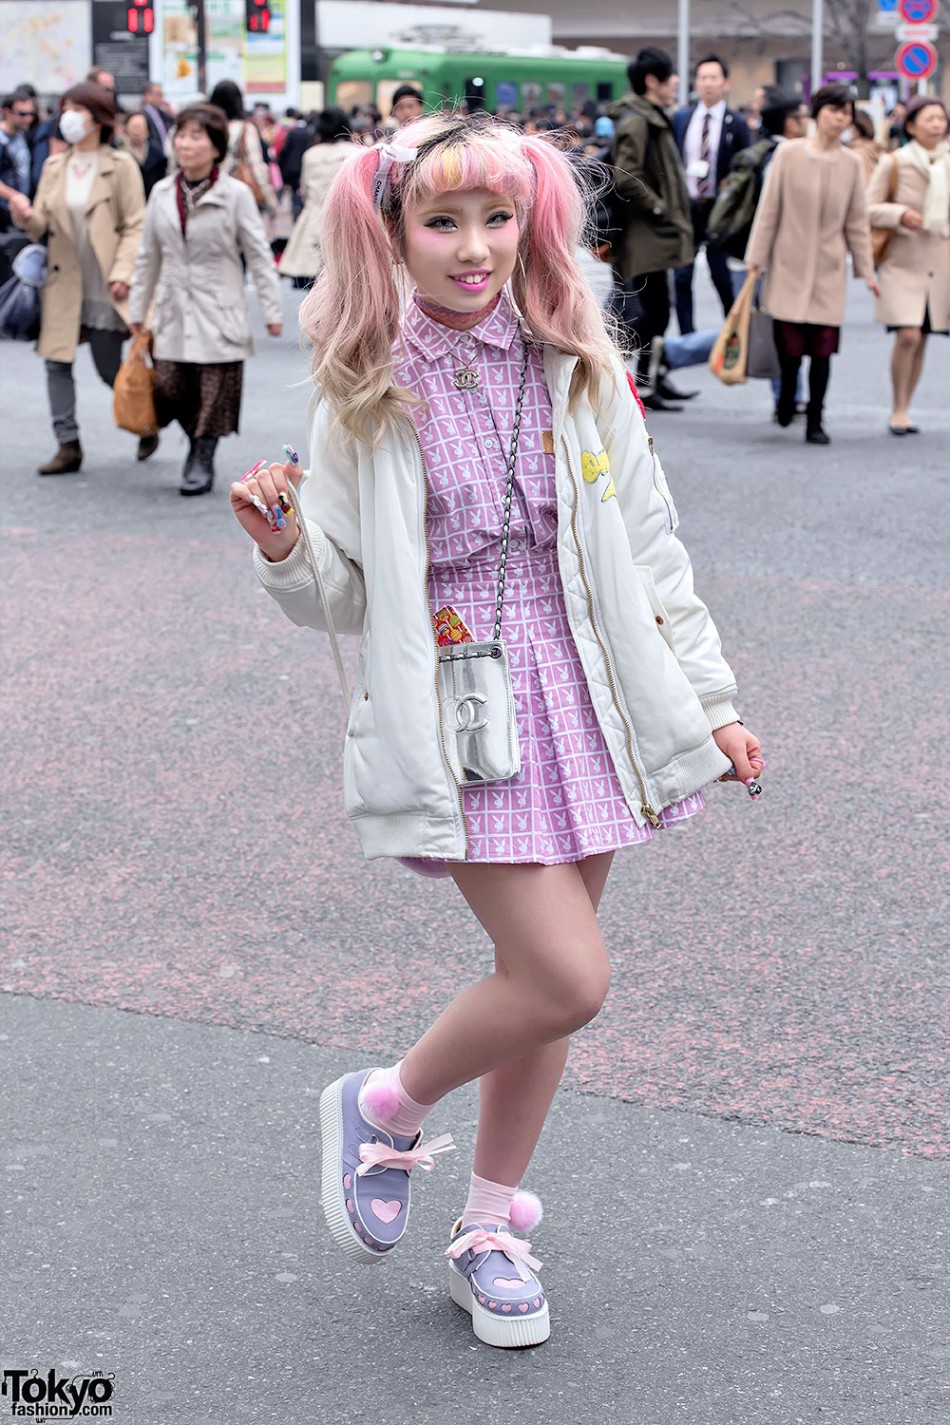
708	135
653	210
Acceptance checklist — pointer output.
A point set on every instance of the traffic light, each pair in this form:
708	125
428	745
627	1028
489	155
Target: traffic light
257	16
140	17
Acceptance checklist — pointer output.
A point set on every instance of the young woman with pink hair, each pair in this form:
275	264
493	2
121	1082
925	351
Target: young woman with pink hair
477	451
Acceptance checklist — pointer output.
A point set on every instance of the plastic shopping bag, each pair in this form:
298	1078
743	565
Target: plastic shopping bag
729	357
133	398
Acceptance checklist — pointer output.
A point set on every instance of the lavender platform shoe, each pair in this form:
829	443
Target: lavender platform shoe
492	1276
365	1191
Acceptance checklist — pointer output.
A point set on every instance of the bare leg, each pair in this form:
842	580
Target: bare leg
918	367
551	977
908	355
513	1101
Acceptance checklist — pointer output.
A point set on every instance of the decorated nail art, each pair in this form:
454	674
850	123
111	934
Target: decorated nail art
283	499
279	521
291	454
253	471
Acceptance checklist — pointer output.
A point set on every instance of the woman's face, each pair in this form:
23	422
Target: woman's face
928	126
831	122
460	248
193	148
85	114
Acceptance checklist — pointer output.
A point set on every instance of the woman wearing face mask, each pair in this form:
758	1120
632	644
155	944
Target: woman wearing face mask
91	204
910	194
813	212
200	223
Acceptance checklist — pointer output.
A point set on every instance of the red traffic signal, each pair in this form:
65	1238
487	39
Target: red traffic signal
140	18
256	16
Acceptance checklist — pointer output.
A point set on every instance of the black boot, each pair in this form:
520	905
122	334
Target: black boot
198	475
66	461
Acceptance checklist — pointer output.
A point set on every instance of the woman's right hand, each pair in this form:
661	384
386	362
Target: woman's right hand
267	486
21	209
911	219
136	328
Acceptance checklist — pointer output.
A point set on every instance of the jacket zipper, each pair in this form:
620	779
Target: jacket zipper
664	498
645	809
435	670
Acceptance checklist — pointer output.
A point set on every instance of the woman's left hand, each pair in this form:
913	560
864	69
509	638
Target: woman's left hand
873	287
742	748
118	291
274	328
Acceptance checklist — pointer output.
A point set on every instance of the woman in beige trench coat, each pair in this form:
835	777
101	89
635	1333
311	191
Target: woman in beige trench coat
915	272
812	213
91	202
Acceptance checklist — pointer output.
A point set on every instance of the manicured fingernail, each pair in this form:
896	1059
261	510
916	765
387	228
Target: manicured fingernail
254	469
279	521
284	501
753	787
260	506
291	454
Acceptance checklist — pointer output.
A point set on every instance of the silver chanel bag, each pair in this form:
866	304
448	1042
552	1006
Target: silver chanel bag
478	707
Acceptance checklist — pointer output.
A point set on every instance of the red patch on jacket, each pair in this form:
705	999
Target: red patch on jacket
636	395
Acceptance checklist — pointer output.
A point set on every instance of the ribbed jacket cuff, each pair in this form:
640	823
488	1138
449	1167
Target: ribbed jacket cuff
720	711
293	572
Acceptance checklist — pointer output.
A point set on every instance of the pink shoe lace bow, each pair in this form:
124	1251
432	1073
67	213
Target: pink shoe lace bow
477	1240
384	1155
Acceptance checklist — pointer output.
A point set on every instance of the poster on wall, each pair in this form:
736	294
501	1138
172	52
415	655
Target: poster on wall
265	55
179	51
49	45
224	21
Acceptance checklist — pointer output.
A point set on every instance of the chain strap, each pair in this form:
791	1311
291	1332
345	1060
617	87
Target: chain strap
509	492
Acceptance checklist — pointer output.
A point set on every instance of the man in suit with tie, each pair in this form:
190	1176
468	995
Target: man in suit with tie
709	135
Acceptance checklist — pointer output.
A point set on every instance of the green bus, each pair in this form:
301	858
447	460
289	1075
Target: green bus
518	80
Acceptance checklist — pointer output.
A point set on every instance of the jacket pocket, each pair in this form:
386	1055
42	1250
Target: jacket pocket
660	617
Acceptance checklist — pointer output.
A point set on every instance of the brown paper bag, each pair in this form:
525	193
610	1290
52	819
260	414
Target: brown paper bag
133	400
730	354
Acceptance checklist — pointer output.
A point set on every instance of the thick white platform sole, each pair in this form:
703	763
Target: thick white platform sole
332	1195
508	1332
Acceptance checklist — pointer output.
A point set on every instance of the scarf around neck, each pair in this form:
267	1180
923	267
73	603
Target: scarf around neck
932	163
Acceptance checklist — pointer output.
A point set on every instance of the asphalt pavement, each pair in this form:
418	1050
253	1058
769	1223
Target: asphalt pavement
745	1175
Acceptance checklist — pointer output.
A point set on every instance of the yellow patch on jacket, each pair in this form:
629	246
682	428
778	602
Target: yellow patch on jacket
593	466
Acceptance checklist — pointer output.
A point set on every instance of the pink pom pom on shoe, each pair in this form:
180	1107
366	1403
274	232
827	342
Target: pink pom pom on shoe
380	1099
526	1211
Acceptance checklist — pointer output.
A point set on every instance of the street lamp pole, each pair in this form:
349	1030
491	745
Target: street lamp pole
817	43
682	49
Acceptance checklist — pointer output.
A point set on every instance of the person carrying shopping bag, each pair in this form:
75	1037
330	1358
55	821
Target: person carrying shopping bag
199	224
813	212
484	495
91	205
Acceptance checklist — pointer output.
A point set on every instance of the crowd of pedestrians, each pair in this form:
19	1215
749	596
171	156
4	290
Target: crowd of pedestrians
780	187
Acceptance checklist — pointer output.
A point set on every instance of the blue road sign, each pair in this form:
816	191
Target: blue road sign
917	59
917	12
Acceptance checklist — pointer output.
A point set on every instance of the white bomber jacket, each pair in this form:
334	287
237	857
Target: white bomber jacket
658	681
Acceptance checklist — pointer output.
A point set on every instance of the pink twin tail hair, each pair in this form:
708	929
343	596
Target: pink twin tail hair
353	313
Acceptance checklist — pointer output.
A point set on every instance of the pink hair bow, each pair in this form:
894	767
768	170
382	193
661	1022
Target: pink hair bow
384	1155
477	1240
389	154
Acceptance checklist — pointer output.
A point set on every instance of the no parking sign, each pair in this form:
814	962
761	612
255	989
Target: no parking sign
917	59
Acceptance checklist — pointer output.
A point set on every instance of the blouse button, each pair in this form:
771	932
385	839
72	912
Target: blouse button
659	619
490	444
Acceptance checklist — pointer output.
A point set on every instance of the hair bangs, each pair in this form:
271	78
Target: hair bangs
463	156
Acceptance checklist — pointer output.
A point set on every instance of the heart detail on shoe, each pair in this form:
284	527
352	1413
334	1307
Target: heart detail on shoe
385	1211
512	1282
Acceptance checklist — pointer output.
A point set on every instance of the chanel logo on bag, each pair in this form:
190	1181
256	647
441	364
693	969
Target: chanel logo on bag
468	718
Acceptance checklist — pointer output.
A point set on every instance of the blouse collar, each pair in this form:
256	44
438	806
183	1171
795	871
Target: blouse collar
433	340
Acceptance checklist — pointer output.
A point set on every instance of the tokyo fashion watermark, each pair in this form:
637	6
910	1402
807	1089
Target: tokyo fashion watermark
32	1396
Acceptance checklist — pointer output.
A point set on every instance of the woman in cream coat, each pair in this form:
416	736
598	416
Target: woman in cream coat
91	204
915	272
303	257
813	212
199	224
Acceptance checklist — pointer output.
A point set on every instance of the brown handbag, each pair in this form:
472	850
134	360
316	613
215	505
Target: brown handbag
243	171
881	237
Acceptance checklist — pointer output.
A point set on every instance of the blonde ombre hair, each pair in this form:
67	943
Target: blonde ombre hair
353	313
